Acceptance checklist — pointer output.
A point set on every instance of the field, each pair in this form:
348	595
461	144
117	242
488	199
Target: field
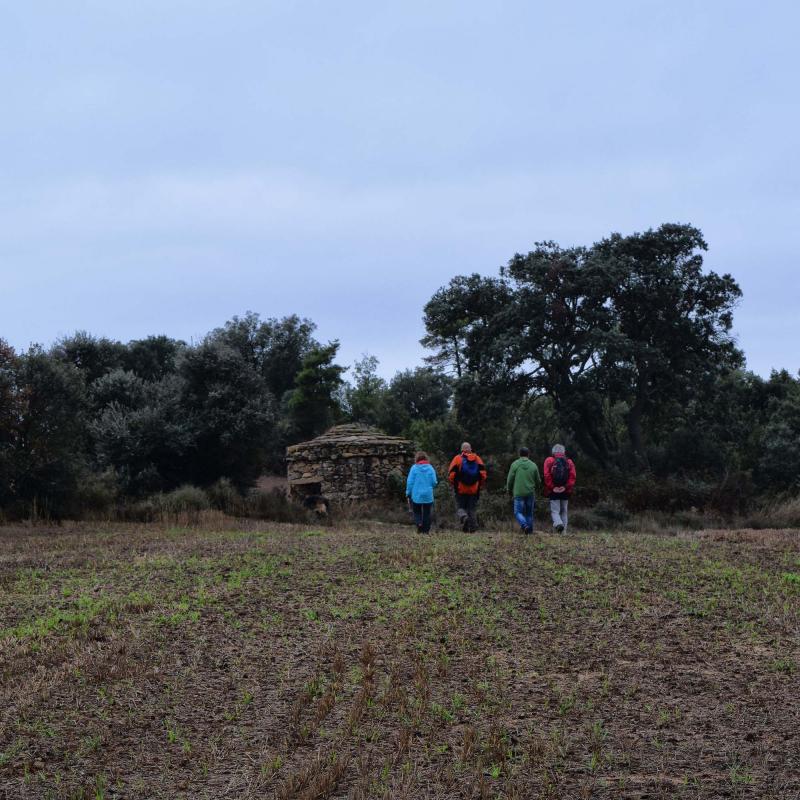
296	662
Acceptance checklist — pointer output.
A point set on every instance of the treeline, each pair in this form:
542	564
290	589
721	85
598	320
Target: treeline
622	351
92	420
92	423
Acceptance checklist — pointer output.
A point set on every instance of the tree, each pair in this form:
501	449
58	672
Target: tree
556	329
461	321
145	437
230	411
672	321
536	330
414	395
274	347
119	386
47	448
467	325
154	357
366	396
93	356
9	419
777	466
631	319
312	405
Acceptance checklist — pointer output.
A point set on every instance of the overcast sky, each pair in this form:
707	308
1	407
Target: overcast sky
167	164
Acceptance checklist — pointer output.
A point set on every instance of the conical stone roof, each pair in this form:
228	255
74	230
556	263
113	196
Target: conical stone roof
345	437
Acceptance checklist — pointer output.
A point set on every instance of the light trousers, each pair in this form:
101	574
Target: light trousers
558	511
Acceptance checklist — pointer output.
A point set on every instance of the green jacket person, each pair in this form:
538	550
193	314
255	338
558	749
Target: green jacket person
523	482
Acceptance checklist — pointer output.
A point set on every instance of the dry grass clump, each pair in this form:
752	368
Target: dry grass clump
780	514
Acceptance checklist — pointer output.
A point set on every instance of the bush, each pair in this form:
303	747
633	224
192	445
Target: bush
378	509
493	507
186	501
439	437
690	520
590	494
225	497
611	513
396	484
274	506
147	510
97	495
496	473
779	514
648	493
586	519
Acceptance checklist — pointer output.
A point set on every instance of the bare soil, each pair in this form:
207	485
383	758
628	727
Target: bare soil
276	661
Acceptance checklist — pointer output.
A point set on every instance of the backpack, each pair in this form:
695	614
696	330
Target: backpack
559	471
470	472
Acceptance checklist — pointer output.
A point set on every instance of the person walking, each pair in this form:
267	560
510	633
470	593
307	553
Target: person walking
419	490
467	475
522	484
559	483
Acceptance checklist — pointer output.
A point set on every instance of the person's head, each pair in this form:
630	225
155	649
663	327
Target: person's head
420	456
559	450
524	452
466	447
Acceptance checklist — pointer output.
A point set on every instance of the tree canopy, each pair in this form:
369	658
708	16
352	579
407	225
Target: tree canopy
631	320
623	350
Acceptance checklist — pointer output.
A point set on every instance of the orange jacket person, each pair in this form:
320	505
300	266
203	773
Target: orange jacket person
467	474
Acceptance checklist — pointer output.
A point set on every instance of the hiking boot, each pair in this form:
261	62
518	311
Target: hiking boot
528	530
559	529
465	526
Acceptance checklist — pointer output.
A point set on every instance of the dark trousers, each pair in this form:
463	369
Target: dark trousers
422	516
466	510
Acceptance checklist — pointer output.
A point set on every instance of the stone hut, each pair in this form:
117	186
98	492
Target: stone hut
347	463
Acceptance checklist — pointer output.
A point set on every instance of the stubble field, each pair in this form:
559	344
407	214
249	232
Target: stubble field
296	662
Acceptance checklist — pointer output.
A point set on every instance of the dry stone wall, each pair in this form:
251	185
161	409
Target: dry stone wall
348	463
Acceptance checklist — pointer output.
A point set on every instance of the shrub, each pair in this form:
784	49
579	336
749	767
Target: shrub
648	493
186	501
611	513
587	520
384	511
225	497
496	472
147	510
97	495
590	494
734	493
440	437
604	515
780	514
691	520
274	506
494	507
396	484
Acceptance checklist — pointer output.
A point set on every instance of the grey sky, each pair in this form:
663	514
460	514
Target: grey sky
166	165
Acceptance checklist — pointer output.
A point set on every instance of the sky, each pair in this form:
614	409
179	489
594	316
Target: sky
168	164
